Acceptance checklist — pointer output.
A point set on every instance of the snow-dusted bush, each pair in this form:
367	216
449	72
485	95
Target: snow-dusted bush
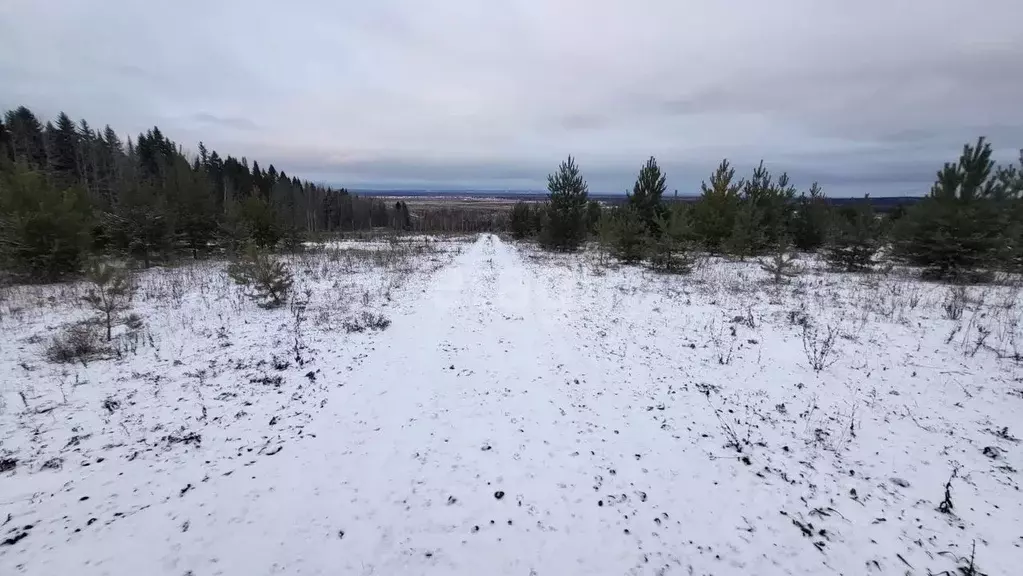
366	321
266	280
76	342
955	302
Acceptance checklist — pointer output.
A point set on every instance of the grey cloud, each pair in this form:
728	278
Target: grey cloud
230	122
495	95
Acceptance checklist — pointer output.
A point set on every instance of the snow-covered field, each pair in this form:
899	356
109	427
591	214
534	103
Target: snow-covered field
524	413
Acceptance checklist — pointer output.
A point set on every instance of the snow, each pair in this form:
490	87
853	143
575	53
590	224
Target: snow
524	413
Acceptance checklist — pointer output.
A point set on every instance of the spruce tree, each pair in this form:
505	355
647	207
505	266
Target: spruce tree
565	226
27	139
44	232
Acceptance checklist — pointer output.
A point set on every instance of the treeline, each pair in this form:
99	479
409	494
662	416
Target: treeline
970	224
68	190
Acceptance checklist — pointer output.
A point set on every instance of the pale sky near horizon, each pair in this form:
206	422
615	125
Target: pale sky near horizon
865	96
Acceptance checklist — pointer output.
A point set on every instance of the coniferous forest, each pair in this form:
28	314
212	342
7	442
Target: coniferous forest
69	191
967	227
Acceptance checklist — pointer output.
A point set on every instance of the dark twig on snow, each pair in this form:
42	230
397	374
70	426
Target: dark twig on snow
946	505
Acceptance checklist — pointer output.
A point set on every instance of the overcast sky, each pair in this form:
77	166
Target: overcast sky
867	96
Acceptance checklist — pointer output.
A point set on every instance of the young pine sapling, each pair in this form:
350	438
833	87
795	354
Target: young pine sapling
268	281
110	294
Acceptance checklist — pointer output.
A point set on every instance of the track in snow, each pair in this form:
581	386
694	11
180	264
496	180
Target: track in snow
504	428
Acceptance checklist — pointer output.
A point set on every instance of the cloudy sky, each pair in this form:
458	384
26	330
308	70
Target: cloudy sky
866	96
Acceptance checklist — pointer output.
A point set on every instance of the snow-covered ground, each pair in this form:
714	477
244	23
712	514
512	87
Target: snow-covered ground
524	413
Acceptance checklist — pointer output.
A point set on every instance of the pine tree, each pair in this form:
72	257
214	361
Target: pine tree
747	238
260	221
854	238
670	247
268	281
647	193
781	264
565	226
594	212
109	294
962	226
520	222
810	224
629	235
714	214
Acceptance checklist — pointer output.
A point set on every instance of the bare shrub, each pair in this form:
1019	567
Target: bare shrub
819	346
267	281
76	342
366	321
955	302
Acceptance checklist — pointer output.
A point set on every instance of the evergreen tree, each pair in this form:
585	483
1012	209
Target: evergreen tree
43	230
267	281
781	264
670	247
143	225
594	212
5	144
962	226
27	141
854	238
628	233
565	226
810	223
714	214
259	221
521	221
110	293
647	193
747	238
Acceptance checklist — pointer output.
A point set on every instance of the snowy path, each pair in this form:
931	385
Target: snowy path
517	422
479	392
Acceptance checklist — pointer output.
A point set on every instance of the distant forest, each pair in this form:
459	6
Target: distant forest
67	188
69	192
